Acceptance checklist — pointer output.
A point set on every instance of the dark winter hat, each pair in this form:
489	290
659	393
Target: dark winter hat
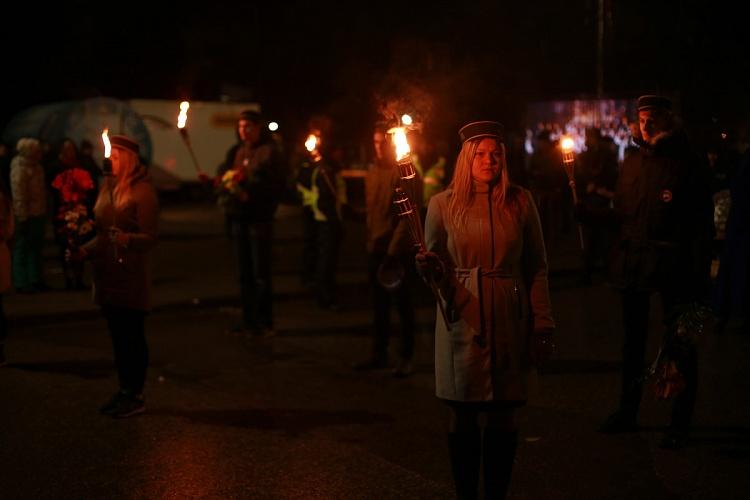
654	102
475	130
251	116
125	142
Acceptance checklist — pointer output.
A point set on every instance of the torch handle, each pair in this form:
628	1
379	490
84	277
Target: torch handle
186	139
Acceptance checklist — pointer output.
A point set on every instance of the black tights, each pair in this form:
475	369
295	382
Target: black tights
496	447
127	329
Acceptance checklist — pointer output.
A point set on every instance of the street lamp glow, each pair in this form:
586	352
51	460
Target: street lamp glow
406	120
273	126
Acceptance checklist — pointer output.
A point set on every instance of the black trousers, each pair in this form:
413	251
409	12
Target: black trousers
329	235
309	246
253	246
635	313
403	299
127	329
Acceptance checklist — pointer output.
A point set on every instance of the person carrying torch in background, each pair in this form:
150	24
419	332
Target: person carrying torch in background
486	252
126	213
390	251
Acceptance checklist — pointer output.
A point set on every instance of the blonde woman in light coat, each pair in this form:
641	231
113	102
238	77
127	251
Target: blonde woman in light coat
485	250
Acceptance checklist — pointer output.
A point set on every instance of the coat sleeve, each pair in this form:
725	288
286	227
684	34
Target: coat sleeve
147	213
436	240
535	260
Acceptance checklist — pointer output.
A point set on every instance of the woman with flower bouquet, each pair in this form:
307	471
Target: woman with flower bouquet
126	214
73	225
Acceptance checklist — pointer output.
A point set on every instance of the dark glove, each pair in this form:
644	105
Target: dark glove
542	346
429	266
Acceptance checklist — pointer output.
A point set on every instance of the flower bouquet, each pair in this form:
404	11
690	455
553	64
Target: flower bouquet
75	223
678	344
232	189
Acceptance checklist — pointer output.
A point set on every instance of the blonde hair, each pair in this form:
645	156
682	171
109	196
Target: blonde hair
462	185
129	173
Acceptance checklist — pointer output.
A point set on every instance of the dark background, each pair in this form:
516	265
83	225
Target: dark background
446	62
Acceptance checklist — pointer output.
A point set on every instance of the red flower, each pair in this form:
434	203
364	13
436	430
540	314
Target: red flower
73	183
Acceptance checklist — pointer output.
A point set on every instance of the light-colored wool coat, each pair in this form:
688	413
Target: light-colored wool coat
496	294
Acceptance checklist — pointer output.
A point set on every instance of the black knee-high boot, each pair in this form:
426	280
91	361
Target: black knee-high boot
465	451
499	451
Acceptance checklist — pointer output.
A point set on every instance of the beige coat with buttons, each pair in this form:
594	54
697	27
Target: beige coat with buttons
496	294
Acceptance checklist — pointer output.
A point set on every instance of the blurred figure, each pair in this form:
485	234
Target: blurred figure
304	183
390	259
5	158
6	235
548	182
88	163
596	176
72	193
663	204
323	194
732	290
127	214
329	192
30	208
256	175
486	252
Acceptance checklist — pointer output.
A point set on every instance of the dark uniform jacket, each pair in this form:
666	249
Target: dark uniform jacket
664	206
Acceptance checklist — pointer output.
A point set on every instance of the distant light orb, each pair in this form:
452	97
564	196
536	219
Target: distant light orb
406	120
273	126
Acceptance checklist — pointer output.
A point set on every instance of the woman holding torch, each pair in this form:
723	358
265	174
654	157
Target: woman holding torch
486	252
126	213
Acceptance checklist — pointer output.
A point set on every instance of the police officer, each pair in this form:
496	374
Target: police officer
664	207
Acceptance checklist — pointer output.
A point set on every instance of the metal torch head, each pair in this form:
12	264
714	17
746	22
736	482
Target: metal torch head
402	203
107	167
406	168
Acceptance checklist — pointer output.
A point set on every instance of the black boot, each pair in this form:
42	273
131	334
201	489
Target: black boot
499	452
465	450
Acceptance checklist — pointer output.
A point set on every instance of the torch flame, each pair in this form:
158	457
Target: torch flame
182	118
399	139
311	143
107	145
567	144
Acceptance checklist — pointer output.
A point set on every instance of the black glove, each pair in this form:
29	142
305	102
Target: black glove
429	266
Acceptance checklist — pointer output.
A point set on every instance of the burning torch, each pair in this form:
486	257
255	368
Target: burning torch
107	171
405	208
566	144
181	122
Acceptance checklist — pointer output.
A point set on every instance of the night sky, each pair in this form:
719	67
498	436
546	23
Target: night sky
449	61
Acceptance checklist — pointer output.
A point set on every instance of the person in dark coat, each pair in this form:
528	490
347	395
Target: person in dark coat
127	214
664	207
390	252
732	291
596	176
251	213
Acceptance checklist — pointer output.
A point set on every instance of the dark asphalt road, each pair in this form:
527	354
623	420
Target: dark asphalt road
286	417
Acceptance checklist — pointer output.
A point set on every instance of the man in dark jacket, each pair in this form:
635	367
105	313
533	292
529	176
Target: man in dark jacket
251	214
665	210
